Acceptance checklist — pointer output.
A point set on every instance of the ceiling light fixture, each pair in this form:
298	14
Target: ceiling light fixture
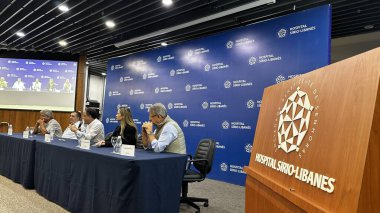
63	43
63	8
110	24
20	34
104	74
195	22
167	2
164	44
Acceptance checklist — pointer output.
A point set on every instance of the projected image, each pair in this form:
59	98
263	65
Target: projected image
37	84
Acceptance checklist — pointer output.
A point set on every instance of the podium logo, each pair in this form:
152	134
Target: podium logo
225	125
223	167
230	44
294	121
252	60
281	33
280	79
185	123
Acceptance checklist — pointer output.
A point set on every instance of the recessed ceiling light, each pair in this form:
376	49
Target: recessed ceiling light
20	34
368	27
103	73
167	2
110	24
63	8
62	43
164	44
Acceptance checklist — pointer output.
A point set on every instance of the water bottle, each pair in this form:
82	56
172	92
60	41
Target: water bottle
10	129
118	142
51	134
26	132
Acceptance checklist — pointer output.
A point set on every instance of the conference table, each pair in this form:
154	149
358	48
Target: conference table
96	180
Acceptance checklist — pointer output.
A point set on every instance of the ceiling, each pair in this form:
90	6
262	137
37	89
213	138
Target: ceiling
83	26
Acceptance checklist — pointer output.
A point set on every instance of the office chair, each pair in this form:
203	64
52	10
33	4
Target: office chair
202	162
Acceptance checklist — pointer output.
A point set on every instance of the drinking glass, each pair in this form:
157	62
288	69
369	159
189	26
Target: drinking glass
113	142
31	130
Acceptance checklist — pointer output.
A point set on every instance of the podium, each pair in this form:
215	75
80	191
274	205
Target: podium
317	141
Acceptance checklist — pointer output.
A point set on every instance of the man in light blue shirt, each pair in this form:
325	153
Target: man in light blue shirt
167	136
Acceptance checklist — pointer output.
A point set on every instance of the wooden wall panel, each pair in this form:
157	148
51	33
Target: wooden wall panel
20	119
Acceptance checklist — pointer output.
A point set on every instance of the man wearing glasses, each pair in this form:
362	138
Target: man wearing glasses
167	136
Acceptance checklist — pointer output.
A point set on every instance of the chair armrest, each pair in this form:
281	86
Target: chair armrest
199	160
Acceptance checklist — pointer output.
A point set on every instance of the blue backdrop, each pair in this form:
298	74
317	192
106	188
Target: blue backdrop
213	86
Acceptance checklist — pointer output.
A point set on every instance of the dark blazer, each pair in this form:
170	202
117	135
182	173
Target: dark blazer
129	135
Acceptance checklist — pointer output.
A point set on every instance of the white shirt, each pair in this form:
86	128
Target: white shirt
19	86
168	135
94	132
70	134
36	86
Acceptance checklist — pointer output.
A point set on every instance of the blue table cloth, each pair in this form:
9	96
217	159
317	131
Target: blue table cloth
97	180
17	159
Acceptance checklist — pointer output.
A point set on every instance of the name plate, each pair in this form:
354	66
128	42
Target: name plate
127	150
85	144
47	138
25	134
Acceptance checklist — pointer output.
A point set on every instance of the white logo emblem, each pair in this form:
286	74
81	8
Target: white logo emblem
205	105
185	123
159	59
112	67
252	61
188	88
280	79
223	167
110	93
144	76
170	106
157	90
230	44
121	79
225	125
190	53
248	148
227	84
281	33
172	72
207	67
118	106
250	104
142	106
107	120
131	92
294	121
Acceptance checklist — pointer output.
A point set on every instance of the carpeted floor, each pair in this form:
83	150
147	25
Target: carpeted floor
223	198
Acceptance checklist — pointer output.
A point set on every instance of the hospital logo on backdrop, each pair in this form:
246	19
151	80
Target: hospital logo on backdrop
190	53
172	72
223	167
230	44
142	106
188	88
131	92
205	105
185	123
107	120
112	67
225	125
159	59
207	67
252	60
227	84
250	104
281	33
170	105
121	79
280	79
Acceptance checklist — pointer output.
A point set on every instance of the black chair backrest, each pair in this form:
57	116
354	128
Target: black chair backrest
205	150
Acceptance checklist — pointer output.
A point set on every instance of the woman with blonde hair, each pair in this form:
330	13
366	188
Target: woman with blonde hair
127	129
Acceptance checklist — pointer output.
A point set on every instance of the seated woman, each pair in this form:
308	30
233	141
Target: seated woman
127	129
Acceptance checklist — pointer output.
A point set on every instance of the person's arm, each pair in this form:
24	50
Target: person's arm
42	126
91	132
129	135
168	135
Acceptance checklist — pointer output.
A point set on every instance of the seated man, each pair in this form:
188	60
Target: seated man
47	123
168	136
76	120
94	130
19	85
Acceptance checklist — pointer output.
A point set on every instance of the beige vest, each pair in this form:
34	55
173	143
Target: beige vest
178	145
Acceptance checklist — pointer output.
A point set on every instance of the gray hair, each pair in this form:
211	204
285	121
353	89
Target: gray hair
158	109
47	113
